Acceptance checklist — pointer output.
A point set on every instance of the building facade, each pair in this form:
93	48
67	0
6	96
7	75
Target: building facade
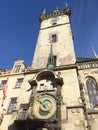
59	91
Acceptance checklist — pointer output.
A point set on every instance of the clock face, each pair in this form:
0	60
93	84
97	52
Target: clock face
54	20
44	107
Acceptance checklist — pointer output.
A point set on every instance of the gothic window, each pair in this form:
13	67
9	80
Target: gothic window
3	84
19	83
12	105
92	89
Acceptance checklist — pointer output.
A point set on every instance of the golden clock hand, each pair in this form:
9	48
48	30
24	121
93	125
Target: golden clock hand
41	102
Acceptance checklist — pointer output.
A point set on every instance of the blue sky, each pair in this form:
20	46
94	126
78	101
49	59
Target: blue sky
19	26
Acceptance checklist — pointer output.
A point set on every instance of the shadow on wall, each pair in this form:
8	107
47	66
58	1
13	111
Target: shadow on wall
12	127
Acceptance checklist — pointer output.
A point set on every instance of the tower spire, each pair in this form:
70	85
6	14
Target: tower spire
66	4
68	11
95	55
56	10
44	11
57	7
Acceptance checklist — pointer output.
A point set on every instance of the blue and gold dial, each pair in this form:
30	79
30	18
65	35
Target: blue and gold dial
44	107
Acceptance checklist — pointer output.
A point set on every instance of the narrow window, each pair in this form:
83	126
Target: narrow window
55	59
12	105
19	83
3	84
92	89
54	38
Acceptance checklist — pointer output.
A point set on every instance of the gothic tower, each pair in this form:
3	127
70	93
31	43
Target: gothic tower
55	30
55	88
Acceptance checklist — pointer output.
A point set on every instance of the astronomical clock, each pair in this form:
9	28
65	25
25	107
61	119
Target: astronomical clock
46	98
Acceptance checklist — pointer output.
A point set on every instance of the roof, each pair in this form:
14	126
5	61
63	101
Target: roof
83	59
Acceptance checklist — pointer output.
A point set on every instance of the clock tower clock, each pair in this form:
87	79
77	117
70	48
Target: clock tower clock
44	107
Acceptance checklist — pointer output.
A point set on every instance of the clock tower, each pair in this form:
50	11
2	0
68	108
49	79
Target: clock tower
55	31
55	82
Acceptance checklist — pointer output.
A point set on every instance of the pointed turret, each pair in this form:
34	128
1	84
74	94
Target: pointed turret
55	13
44	11
43	15
56	10
66	4
68	11
95	55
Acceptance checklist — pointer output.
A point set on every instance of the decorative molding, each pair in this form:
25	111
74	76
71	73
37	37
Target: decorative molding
87	65
67	11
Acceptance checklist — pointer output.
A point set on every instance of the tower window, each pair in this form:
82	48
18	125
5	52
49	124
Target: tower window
54	23
55	59
92	89
54	38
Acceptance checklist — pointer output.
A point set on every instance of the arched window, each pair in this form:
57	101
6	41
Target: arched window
92	89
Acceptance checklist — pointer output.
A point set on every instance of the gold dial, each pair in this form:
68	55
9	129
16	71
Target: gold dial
44	107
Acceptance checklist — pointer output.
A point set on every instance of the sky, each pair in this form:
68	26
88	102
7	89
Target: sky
19	27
